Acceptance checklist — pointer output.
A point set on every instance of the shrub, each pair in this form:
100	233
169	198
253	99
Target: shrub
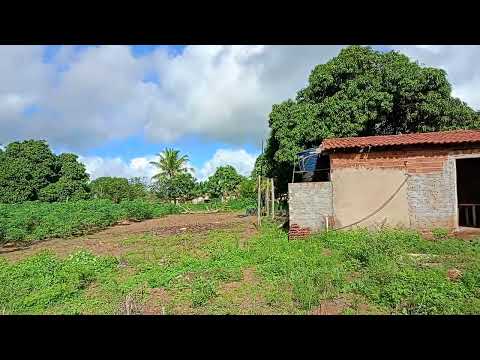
137	210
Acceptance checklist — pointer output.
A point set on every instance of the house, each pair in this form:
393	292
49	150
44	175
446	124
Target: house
422	181
201	199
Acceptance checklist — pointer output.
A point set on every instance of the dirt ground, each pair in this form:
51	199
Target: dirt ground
109	241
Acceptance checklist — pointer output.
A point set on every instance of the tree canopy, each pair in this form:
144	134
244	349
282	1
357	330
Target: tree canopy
362	92
181	186
70	181
29	170
117	189
224	181
170	163
173	181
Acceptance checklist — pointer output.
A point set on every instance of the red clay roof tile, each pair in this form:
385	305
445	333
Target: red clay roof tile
444	137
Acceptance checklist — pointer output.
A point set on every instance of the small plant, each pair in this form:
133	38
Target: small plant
440	234
202	291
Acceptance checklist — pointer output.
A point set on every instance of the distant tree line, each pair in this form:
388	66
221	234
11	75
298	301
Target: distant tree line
30	171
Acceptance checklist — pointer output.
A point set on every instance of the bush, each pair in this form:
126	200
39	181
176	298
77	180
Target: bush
64	190
137	210
392	279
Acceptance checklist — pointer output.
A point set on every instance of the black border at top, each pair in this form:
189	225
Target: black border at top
278	23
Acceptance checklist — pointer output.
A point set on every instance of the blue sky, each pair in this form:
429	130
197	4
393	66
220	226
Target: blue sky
118	106
136	144
198	149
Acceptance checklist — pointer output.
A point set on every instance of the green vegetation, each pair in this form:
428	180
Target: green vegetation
384	272
30	171
36	221
224	182
238	204
170	163
173	182
118	189
43	281
362	92
178	187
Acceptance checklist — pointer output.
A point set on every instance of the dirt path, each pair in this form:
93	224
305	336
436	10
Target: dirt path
109	241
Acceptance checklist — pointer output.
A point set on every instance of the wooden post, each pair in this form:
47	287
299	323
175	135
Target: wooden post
259	195
267	198
273	200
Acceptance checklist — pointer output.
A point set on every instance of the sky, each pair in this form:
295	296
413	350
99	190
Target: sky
118	106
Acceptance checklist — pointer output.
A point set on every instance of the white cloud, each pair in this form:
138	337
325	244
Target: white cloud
226	92
240	159
218	92
98	166
140	166
221	93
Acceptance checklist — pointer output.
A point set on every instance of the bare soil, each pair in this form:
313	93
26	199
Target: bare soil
331	307
109	241
157	301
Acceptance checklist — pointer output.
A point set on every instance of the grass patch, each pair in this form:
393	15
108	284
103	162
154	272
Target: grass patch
391	271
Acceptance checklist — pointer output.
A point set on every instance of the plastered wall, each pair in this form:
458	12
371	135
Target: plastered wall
360	192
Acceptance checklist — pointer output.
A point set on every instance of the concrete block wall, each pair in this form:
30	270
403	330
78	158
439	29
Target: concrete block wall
309	203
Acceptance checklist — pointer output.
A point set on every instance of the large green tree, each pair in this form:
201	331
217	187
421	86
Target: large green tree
224	182
117	189
25	168
29	170
71	181
362	92
181	186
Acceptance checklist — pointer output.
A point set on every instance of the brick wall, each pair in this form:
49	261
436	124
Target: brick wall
413	161
308	203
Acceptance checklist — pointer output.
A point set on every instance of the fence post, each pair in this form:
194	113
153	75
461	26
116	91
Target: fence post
273	200
259	195
267	197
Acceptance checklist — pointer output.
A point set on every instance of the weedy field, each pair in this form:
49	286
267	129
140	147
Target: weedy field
221	264
30	221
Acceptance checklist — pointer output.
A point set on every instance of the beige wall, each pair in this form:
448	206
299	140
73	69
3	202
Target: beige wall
357	192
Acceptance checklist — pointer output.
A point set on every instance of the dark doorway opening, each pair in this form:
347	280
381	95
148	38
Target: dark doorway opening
468	192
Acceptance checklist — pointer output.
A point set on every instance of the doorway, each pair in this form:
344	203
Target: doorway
468	192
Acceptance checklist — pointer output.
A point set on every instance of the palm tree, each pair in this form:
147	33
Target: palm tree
170	163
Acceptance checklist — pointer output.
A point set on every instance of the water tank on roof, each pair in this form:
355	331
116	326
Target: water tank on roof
307	160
